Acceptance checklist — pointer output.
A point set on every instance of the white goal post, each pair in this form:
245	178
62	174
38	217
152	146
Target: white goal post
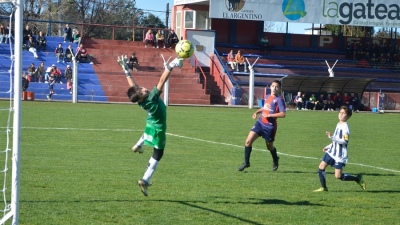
12	209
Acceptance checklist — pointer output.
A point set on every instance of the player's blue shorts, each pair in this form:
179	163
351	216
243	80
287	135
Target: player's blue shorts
330	161
267	132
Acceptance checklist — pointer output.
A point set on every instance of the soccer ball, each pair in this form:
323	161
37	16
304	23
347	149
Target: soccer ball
184	49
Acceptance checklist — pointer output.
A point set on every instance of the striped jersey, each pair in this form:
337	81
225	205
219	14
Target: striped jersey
272	104
340	139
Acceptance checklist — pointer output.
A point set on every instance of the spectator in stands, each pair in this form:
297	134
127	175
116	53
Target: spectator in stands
82	54
160	39
133	62
298	100
337	98
76	37
172	39
48	73
68	77
231	60
25	82
27	33
354	102
41	41
32	47
312	101
239	59
266	125
7	36
149	38
346	99
67	33
264	45
56	73
40	72
304	102
31	75
59	52
2	33
321	102
330	104
69	54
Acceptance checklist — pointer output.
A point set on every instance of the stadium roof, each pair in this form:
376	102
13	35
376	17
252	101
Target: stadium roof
325	84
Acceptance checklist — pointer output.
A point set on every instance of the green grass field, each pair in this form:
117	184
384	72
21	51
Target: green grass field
77	167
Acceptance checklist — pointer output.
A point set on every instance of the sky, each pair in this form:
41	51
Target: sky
158	8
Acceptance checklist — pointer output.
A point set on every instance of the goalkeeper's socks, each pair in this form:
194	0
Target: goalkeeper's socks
50	95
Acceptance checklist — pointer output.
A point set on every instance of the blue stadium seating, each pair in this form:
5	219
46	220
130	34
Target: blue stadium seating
89	87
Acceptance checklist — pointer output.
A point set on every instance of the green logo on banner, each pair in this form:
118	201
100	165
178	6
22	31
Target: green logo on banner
294	9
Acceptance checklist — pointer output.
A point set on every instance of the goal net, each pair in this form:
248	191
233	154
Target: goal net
10	113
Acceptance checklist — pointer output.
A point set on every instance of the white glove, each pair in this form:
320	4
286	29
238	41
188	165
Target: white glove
122	60
177	62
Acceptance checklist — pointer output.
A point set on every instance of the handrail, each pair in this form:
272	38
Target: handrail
226	69
196	61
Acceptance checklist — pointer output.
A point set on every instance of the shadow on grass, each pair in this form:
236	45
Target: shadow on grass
257	202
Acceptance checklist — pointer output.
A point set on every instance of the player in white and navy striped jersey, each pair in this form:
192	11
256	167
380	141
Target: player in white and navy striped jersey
336	152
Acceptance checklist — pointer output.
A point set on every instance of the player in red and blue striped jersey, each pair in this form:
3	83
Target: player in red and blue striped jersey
336	152
266	125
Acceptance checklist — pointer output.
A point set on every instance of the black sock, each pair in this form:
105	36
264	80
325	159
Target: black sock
50	95
348	177
322	177
247	152
274	154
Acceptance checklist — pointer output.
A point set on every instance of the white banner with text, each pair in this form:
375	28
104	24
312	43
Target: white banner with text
376	13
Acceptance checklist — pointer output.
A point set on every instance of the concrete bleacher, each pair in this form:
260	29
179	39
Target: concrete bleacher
89	86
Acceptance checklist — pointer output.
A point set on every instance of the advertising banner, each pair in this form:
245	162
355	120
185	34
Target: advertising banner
377	13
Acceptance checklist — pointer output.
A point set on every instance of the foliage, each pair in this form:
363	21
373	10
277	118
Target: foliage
112	12
77	168
352	31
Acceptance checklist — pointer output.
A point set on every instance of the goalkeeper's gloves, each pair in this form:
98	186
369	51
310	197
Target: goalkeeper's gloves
122	60
177	62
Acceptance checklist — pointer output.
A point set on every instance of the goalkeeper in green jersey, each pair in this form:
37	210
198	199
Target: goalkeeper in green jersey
156	122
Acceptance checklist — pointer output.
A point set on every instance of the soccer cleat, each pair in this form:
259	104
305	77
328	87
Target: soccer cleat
137	148
143	186
275	165
243	166
361	181
321	189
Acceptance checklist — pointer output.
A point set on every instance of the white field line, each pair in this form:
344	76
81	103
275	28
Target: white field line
200	140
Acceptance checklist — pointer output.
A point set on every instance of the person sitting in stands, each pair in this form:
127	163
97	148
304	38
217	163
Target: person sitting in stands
27	33
298	100
68	76
337	99
59	52
354	103
239	59
330	104
149	38
69	54
41	41
231	60
172	39
82	54
321	102
25	82
346	99
133	62
76	37
312	102
56	73
40	72
159	39
31	75
32	47
67	33
264	45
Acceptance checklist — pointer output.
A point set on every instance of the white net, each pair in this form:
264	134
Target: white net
9	151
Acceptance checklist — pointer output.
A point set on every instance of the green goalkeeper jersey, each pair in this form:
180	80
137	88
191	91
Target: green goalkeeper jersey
156	110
